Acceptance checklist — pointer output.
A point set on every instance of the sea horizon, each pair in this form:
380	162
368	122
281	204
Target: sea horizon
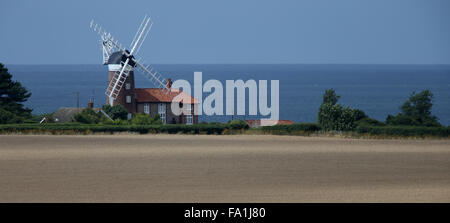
377	89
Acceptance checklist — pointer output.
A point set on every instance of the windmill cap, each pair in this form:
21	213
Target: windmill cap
118	57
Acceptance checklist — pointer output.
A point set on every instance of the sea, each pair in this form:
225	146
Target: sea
379	90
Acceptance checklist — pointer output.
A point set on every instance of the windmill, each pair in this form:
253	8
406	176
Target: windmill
125	61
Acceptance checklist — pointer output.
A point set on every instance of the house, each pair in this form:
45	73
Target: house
154	101
151	101
67	114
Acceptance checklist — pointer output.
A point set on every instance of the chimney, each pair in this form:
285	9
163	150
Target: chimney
91	103
169	83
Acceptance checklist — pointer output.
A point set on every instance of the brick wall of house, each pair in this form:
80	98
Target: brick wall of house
170	117
121	98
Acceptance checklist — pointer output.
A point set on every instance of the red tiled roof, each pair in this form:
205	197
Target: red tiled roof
285	122
158	95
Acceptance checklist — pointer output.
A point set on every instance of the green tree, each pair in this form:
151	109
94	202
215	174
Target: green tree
7	117
333	116
330	96
12	95
88	116
238	124
415	111
115	111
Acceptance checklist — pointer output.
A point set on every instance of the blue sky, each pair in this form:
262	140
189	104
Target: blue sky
231	31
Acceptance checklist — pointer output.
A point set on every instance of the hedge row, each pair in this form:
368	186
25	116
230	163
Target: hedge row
143	129
219	128
294	129
404	130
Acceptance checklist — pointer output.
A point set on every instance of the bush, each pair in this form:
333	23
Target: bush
294	129
115	112
88	116
238	124
220	128
336	117
421	131
144	119
7	117
415	111
77	128
402	119
120	122
360	114
370	121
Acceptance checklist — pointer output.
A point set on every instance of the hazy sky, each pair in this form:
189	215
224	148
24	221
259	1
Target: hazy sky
231	31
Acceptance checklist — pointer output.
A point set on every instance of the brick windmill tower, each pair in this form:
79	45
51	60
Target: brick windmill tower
121	65
127	95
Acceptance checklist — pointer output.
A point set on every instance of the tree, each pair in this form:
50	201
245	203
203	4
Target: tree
415	111
115	111
7	117
12	95
88	116
238	124
330	97
333	116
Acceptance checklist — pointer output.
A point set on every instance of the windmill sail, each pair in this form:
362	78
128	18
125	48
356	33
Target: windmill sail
154	76
119	78
117	81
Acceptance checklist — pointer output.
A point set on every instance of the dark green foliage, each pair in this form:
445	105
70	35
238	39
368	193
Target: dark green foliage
144	119
297	128
7	117
115	112
12	95
334	116
415	111
330	97
421	131
359	114
238	124
217	128
37	118
88	116
369	121
119	122
78	128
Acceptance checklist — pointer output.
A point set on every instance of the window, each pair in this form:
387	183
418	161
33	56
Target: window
129	116
147	108
188	107
162	108
127	86
162	112
163	118
128	98
189	119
